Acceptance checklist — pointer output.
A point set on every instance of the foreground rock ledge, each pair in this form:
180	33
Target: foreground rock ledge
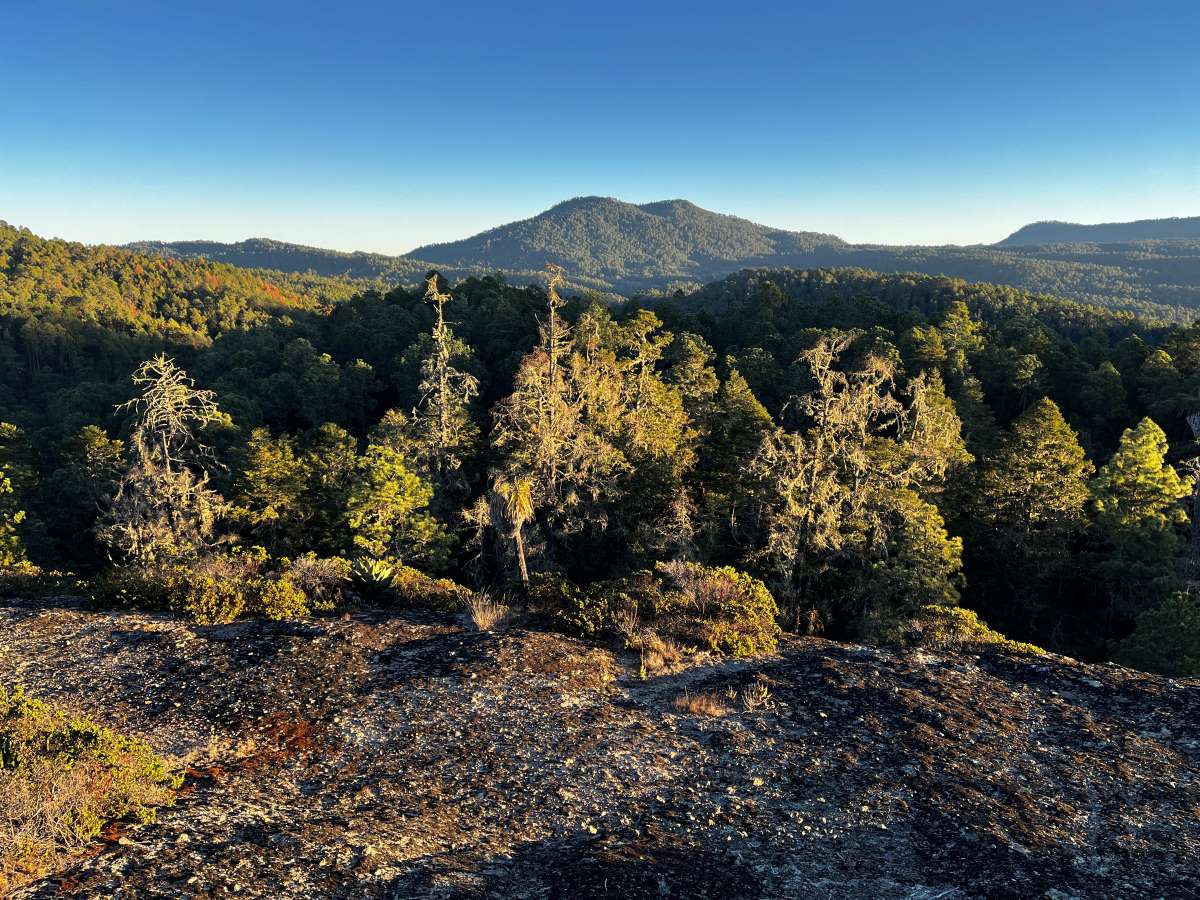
401	755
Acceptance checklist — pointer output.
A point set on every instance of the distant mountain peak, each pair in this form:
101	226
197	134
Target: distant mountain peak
608	239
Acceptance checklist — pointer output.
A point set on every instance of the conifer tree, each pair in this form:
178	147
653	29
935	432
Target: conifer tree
269	493
1140	516
1029	508
12	550
1166	638
441	433
387	511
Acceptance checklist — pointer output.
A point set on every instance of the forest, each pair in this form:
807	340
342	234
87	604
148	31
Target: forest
826	451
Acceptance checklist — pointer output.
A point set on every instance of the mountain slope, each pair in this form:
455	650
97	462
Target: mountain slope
609	239
1174	229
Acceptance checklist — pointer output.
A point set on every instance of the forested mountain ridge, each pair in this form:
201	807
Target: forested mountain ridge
611	246
1054	232
264	253
613	240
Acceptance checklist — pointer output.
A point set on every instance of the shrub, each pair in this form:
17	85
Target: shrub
208	600
281	598
954	628
61	779
715	609
588	612
1166	639
415	588
135	587
29	581
720	608
323	579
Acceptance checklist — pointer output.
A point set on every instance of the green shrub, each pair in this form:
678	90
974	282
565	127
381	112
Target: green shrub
280	598
135	587
953	628
61	779
717	609
381	581
207	600
588	612
1166	639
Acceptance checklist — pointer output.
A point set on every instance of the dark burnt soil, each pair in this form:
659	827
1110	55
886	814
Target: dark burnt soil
404	755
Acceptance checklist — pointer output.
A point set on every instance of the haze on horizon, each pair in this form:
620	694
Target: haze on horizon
375	129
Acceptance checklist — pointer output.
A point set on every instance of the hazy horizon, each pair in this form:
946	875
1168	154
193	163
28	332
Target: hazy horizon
380	131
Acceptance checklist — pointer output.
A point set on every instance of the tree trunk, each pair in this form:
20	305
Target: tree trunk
519	540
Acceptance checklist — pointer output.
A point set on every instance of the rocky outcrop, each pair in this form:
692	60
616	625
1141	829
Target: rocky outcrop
394	754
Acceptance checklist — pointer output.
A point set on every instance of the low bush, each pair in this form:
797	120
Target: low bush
415	588
951	628
61	779
718	609
29	581
280	598
221	588
324	580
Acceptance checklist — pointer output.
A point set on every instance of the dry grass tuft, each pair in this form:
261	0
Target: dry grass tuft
487	614
709	703
659	655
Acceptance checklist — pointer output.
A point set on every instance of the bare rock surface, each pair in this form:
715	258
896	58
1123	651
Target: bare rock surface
403	755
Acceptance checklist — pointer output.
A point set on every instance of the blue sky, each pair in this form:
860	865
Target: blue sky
382	126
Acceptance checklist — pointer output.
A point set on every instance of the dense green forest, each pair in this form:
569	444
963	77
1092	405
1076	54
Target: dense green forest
611	246
873	450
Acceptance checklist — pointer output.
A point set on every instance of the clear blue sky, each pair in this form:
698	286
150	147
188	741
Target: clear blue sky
382	126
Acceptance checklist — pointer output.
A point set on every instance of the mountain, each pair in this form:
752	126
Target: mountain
615	241
1175	229
607	245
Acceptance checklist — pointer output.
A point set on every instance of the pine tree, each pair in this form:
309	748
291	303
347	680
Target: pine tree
441	434
1166	638
269	493
1140	517
12	550
1028	509
387	512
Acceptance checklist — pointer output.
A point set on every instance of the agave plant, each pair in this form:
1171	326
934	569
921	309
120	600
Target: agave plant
375	578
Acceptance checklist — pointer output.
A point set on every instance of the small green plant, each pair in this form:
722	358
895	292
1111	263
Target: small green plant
755	696
61	779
